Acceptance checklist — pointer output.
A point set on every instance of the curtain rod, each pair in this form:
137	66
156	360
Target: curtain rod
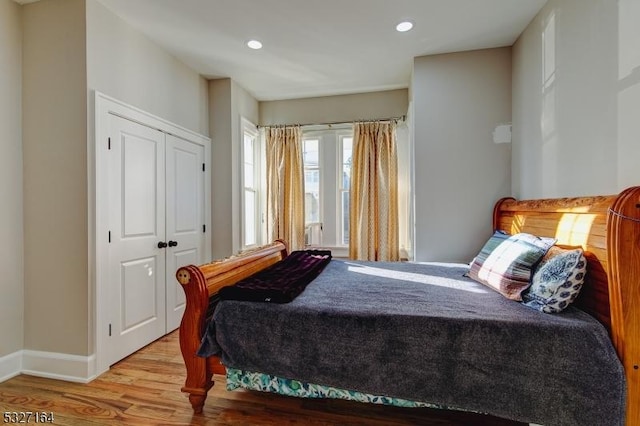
332	123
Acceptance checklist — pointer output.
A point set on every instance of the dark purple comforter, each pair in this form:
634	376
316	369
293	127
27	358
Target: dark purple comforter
281	282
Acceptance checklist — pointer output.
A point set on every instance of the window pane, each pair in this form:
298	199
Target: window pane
346	162
312	196
311	160
249	181
345	218
310	149
248	148
248	160
346	177
345	182
249	218
347	144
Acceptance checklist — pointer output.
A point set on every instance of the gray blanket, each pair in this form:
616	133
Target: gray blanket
426	333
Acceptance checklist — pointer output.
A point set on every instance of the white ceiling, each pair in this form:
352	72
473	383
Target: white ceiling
321	47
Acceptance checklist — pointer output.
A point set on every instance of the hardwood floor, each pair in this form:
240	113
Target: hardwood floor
144	389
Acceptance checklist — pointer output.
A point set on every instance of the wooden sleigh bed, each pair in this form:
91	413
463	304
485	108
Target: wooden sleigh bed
606	227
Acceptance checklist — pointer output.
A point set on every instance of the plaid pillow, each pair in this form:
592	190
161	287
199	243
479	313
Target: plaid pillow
505	263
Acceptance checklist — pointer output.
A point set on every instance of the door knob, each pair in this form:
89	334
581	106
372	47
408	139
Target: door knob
162	244
173	243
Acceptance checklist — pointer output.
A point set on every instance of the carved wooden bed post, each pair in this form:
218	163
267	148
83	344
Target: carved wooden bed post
198	380
623	240
199	284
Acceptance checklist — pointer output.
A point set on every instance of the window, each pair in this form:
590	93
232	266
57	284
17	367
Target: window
251	230
327	159
311	163
327	175
312	214
346	146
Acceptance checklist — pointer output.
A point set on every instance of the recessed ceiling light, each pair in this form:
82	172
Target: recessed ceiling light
254	44
404	26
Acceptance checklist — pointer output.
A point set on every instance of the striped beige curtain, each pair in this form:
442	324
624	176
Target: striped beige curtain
373	211
285	185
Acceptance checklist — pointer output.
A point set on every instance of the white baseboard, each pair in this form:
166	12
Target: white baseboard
10	365
70	368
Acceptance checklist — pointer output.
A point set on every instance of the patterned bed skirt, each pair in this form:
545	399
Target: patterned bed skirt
267	383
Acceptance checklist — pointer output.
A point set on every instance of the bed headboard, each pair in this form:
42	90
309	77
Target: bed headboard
608	229
573	222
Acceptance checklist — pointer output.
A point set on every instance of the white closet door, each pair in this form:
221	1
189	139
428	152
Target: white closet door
185	218
136	271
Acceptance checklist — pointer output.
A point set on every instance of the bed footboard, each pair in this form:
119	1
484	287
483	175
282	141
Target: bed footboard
199	284
198	380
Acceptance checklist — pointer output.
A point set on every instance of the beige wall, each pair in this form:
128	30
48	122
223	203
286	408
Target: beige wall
576	100
55	177
72	48
228	103
459	172
11	229
221	168
126	65
341	108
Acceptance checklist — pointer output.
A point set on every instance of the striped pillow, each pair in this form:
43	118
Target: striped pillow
505	263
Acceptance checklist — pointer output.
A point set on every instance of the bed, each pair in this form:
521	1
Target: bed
606	227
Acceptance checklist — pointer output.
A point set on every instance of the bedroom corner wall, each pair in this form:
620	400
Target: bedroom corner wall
11	191
576	100
126	65
55	177
458	100
70	49
228	103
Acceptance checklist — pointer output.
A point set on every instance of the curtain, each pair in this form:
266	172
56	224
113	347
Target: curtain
373	211
285	185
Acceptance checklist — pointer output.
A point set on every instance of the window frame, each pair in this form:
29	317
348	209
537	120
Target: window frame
340	238
330	167
250	129
318	168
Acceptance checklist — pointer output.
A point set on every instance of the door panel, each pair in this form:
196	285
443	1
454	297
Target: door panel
140	185
186	178
185	218
136	271
138	283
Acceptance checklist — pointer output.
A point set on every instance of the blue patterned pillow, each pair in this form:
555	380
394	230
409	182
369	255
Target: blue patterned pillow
557	281
505	263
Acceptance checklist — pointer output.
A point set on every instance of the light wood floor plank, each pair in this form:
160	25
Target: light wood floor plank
144	389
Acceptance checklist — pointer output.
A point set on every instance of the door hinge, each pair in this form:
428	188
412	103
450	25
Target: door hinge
204	228
203	167
108	143
109	236
109	330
